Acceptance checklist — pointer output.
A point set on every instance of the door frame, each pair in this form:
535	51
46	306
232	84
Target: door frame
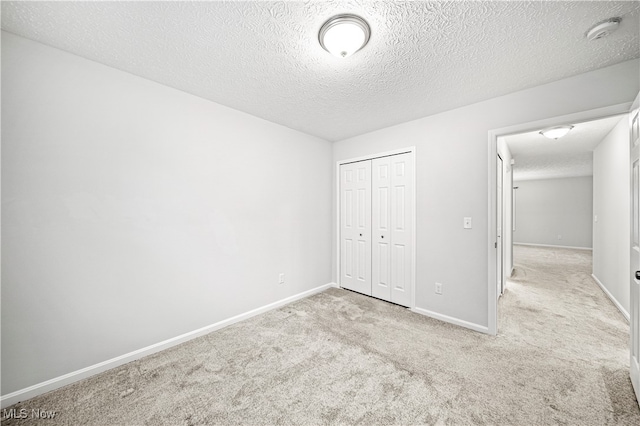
500	276
408	150
634	332
493	135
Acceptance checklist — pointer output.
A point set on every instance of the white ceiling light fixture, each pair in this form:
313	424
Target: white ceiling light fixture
603	29
344	35
556	132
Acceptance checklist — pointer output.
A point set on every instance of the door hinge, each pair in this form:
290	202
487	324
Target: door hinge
495	245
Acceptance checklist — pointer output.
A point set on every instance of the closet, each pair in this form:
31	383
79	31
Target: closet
376	220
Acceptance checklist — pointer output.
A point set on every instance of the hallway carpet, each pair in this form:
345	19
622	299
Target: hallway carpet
338	357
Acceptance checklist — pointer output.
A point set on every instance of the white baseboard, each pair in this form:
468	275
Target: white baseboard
452	320
552	246
613	299
55	383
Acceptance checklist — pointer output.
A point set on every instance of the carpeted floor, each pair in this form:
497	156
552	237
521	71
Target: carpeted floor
560	357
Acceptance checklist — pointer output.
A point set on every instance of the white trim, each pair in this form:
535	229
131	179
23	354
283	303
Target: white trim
55	383
492	215
552	246
452	320
408	150
413	225
493	135
624	313
337	223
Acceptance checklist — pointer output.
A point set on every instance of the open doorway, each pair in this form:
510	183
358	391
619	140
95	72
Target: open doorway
571	191
512	198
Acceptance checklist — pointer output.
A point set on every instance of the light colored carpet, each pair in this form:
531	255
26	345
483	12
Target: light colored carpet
338	357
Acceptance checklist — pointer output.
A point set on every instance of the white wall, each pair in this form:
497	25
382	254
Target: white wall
507	187
611	233
133	212
452	179
555	212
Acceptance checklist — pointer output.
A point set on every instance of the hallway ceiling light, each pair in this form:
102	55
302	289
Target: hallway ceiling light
344	35
556	132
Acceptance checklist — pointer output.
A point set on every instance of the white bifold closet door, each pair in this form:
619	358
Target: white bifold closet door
355	226
382	246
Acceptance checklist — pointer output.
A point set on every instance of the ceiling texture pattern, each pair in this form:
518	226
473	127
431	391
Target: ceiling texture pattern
264	57
538	157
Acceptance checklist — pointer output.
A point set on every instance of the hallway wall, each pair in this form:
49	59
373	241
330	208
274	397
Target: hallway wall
611	233
554	212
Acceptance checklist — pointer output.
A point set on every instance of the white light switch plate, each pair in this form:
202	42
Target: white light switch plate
467	223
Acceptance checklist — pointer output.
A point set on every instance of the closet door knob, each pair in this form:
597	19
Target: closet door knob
361	235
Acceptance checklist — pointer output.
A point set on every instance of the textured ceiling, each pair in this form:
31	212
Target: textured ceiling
264	58
537	157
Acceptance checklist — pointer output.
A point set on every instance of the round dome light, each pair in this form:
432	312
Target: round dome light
344	35
556	132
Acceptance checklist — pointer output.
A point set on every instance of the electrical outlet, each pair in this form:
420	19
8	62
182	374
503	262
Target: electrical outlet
438	288
559	236
595	218
281	281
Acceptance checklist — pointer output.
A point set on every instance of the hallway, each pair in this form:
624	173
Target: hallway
557	310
